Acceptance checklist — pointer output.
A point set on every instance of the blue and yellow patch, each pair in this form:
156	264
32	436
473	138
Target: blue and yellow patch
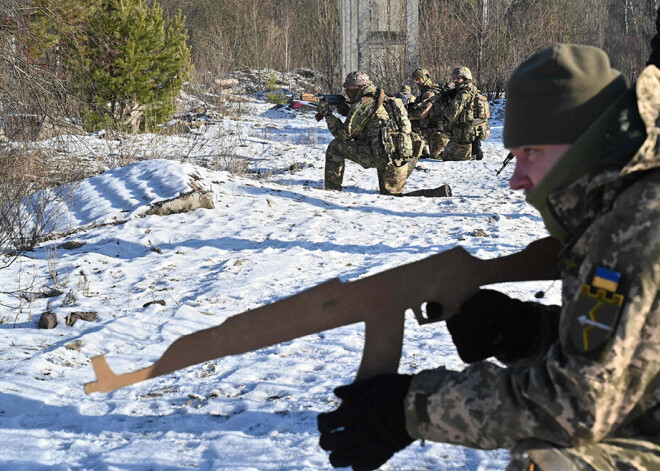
596	311
606	279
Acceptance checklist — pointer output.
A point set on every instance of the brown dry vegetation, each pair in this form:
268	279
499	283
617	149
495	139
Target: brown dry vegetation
489	36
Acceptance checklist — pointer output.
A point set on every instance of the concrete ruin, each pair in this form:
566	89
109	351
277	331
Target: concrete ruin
380	38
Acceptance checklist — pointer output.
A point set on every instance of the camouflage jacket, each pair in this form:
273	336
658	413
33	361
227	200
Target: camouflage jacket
601	377
361	123
427	110
460	110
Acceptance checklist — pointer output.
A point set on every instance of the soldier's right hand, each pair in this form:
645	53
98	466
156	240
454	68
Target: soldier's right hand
491	324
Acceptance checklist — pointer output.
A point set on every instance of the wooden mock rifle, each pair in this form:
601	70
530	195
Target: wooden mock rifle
380	301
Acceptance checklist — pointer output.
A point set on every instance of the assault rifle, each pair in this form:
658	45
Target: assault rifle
444	96
315	98
338	101
419	109
380	301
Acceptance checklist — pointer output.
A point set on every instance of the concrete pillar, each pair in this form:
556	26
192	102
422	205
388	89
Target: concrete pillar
348	36
380	37
412	38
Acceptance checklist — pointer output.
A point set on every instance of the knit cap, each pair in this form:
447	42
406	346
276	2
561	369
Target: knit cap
555	95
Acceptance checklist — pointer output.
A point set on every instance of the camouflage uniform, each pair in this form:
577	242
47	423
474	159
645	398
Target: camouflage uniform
591	400
358	139
460	114
459	146
427	116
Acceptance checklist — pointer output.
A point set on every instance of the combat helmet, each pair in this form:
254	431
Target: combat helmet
405	89
421	73
356	78
462	72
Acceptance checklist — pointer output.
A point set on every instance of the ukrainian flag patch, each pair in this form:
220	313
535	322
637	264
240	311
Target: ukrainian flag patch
596	312
606	279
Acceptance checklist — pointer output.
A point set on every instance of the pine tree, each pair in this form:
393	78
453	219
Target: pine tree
131	65
49	24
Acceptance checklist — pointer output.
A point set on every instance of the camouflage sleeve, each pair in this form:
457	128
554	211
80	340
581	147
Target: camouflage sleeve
454	108
577	393
357	119
420	110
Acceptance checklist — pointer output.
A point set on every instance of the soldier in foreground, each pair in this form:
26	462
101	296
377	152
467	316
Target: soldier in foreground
467	129
426	113
373	138
581	385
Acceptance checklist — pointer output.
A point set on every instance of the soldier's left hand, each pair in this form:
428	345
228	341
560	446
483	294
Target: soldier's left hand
323	108
369	426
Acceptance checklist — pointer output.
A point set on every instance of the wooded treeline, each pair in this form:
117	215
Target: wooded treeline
489	36
49	50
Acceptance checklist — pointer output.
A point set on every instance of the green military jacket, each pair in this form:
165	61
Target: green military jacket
361	123
601	377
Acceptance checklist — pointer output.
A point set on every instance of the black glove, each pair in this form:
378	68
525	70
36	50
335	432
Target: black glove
369	426
449	95
492	324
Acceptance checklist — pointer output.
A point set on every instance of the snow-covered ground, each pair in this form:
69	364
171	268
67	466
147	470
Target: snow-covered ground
273	233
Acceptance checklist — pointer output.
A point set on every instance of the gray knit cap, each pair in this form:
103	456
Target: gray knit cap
555	95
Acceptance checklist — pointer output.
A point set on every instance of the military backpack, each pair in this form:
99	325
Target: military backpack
481	106
396	133
481	114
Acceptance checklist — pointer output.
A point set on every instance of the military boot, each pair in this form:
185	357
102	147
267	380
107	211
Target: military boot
477	153
439	192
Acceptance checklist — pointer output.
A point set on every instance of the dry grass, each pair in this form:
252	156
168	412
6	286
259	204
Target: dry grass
34	189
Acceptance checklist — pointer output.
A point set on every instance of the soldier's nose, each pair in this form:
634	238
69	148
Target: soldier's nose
520	180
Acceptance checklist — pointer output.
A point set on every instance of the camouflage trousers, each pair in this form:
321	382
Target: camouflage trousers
391	179
456	151
437	141
616	454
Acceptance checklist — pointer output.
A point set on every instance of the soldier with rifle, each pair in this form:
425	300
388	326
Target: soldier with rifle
467	129
580	385
426	112
375	134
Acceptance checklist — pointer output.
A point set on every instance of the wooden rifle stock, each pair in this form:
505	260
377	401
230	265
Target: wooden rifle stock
380	301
